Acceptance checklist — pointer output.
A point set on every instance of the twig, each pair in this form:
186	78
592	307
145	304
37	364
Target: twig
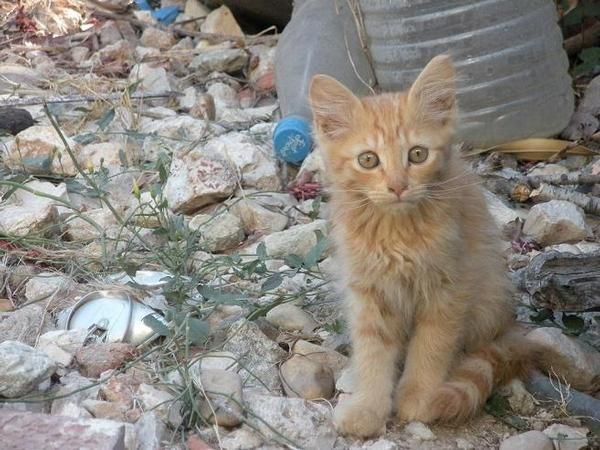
587	38
80	99
547	192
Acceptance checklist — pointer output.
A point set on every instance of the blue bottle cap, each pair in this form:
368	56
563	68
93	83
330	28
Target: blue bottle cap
292	139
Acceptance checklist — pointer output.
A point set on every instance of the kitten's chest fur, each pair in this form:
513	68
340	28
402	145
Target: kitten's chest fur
401	256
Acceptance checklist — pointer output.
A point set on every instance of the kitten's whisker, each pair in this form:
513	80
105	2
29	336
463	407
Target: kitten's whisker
464	174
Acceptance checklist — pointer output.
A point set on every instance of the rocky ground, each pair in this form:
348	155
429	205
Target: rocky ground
152	173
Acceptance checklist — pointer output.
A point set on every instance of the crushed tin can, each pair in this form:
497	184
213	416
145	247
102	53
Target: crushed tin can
112	316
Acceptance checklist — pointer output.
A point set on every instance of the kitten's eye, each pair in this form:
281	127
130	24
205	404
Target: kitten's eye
417	155
368	160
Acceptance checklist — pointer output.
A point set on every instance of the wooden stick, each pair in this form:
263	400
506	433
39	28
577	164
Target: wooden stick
561	179
80	99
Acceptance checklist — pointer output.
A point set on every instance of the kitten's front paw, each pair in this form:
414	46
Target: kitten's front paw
413	405
360	418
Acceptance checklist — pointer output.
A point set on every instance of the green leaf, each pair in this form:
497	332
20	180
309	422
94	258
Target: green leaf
294	261
133	86
261	251
157	325
197	330
86	138
220	297
574	324
106	119
315	253
542	315
123	158
272	282
590	59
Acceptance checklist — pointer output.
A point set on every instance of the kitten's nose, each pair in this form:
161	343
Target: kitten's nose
397	189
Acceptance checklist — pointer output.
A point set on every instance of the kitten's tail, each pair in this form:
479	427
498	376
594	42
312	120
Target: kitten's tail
471	383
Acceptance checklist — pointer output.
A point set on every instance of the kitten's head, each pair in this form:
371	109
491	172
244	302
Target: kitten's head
388	150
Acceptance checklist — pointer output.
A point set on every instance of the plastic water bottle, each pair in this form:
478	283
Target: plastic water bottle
513	72
321	37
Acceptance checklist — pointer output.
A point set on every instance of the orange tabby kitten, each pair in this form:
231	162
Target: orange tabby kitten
422	270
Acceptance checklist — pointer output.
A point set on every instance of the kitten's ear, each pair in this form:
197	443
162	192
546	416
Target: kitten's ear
333	105
432	97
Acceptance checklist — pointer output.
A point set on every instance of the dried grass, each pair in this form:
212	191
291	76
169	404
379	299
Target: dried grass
51	17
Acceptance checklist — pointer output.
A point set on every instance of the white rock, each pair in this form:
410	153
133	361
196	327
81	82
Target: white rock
464	444
155	38
379	444
61	345
306	378
22	368
47	285
420	431
290	317
79	54
254	162
81	230
555	222
345	381
297	240
218	360
224	96
520	400
581	126
73	390
584	359
531	440
227	60
257	355
150	432
565	437
105	154
243	438
220	232
161	402
221	21
121	51
313	167
307	424
223	402
109	33
26	213
258	219
502	214
243	116
591	98
329	358
265	57
197	180
195	9
24	324
176	133
154	80
142	54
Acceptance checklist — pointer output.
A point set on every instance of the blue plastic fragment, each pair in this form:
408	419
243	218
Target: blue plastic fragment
143	5
166	15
